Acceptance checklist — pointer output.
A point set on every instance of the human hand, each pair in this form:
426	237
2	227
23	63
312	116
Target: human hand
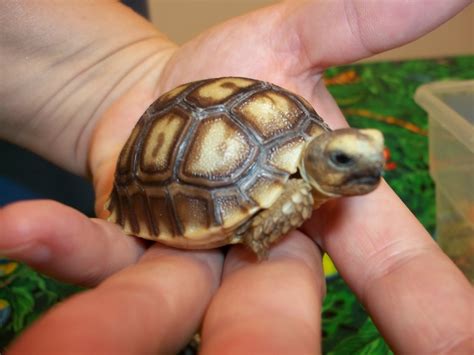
256	304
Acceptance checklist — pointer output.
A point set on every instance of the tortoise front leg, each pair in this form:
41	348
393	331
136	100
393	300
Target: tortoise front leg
288	212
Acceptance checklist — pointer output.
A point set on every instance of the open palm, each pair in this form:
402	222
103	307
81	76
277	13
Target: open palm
244	307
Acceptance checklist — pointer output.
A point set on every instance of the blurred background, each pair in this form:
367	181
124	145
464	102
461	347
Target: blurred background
181	20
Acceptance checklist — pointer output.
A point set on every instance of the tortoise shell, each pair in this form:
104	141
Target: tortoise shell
207	156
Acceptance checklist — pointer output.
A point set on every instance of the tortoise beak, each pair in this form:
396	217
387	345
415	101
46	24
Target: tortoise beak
366	179
369	178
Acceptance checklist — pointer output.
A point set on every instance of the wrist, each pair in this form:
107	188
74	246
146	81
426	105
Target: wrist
67	65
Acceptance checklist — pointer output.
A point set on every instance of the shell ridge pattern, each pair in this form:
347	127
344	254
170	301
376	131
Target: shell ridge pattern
156	108
139	151
310	114
258	169
264	147
215	219
281	140
198	112
236	192
176	224
306	125
222	193
115	197
156	111
248	129
196	100
135	151
263	173
242	96
259	164
150	221
180	102
118	205
182	148
249	173
225	110
216	213
232	177
133	220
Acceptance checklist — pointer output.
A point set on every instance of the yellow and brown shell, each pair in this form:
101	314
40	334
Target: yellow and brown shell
207	156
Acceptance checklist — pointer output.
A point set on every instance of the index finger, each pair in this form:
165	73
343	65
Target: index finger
416	296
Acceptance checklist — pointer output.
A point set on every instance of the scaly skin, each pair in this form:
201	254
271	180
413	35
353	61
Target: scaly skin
289	211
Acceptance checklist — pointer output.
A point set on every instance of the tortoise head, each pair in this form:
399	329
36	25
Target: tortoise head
344	162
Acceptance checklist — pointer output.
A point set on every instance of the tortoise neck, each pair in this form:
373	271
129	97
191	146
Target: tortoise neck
319	197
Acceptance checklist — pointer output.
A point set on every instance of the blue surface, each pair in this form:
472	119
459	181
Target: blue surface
24	176
11	191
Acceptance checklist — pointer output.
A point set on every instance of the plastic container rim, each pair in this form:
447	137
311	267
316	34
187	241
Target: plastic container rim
428	97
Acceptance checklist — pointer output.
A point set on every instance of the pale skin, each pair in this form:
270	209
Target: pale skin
80	73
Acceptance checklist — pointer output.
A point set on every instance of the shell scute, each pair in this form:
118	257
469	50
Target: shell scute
159	145
218	151
284	155
217	91
194	213
269	113
232	208
167	98
125	163
264	190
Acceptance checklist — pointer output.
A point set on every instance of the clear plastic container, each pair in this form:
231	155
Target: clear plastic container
450	107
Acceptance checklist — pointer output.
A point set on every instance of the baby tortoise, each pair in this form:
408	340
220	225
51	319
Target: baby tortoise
235	160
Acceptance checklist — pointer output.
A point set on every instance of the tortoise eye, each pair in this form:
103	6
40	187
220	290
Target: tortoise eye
341	159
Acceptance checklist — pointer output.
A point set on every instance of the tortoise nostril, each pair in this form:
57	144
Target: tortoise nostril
341	159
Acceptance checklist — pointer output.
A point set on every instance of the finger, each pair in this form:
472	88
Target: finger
153	307
327	33
418	299
63	243
272	307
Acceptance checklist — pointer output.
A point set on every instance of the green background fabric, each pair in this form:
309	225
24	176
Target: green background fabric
378	95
